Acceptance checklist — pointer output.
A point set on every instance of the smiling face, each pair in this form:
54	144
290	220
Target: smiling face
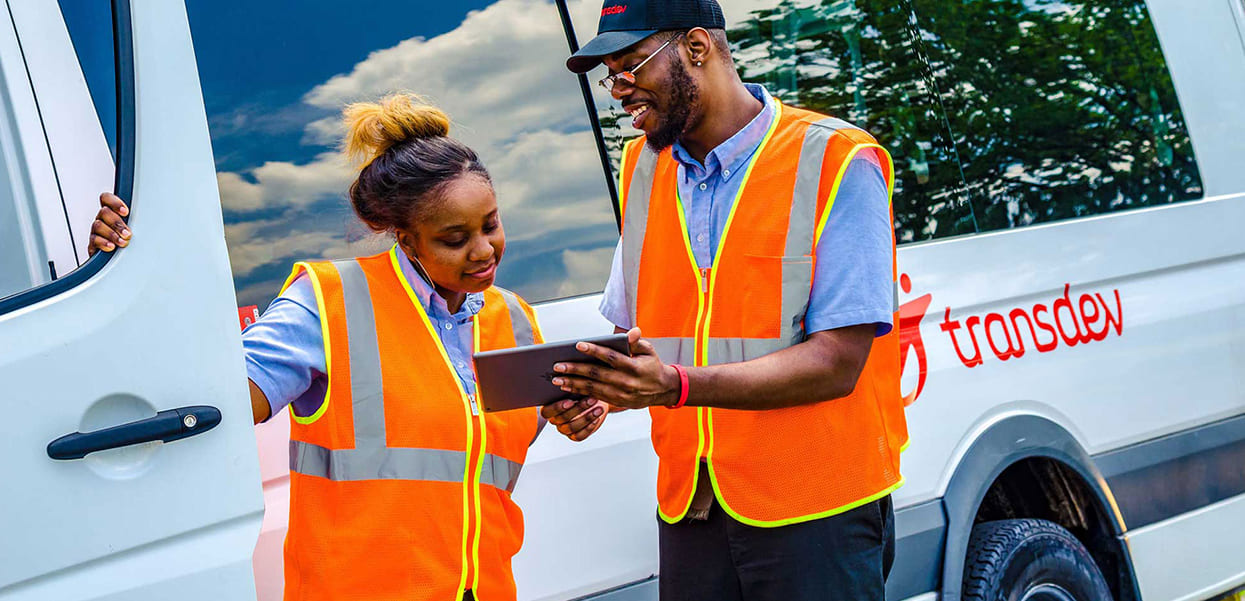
664	102
458	239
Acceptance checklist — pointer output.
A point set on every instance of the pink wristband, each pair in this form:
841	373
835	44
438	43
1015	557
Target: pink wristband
682	386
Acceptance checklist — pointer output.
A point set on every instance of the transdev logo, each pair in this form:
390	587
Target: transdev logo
1067	321
613	10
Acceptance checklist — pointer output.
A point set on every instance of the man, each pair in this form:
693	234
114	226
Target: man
757	256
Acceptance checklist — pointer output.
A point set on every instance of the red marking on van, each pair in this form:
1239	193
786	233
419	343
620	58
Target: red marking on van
910	315
1069	322
248	315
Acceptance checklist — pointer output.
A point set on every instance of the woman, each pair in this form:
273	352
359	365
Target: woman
399	485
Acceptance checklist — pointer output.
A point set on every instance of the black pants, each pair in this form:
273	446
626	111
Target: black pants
845	556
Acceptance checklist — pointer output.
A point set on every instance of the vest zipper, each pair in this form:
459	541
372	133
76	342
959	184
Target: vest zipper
475	410
704	279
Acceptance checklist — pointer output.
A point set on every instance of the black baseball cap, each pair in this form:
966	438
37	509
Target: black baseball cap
626	22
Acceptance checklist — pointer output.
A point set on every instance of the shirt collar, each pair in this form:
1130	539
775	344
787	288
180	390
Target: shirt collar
731	155
433	303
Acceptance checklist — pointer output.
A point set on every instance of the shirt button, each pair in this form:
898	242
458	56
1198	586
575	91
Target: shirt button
700	237
726	173
449	326
704	186
462	365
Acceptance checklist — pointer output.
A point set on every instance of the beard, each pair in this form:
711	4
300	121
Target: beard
676	118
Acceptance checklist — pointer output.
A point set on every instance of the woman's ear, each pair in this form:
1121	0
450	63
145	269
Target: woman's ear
406	242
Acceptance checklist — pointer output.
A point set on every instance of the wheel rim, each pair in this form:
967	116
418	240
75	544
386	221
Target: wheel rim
1047	592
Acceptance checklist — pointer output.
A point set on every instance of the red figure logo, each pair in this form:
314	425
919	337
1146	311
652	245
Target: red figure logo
613	10
910	315
248	315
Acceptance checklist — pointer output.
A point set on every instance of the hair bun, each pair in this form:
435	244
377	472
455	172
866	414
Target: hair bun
374	127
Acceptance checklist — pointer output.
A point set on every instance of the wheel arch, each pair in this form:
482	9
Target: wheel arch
1007	444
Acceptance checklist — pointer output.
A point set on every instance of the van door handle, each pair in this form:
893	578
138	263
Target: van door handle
167	426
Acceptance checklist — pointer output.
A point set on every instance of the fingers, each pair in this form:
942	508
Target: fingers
562	412
582	425
104	237
109	230
593	427
108	200
608	356
588	387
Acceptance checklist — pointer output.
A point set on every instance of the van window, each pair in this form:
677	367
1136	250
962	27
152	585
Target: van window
90	28
862	62
1060	108
858	61
56	156
997	113
494	66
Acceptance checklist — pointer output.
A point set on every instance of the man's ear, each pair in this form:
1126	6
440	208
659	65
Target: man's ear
699	45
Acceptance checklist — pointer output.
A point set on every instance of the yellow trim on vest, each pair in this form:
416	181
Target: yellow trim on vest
905	445
705	309
838	179
700	307
324	333
800	519
702	339
445	357
475	548
622	172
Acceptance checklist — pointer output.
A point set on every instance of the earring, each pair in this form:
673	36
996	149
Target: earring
698	63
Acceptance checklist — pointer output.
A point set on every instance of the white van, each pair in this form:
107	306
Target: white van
1068	205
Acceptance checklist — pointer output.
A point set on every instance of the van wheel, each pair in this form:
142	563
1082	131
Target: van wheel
1030	560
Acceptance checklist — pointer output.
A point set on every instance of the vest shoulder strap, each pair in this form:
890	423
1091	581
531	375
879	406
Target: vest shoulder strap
522	316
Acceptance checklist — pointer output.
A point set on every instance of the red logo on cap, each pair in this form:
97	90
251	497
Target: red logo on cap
614	10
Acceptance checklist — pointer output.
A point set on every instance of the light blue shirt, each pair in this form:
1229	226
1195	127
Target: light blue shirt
852	284
284	349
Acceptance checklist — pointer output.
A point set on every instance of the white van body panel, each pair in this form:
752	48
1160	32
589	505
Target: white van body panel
1214	565
152	521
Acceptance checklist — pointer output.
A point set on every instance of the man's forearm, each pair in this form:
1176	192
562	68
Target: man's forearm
824	367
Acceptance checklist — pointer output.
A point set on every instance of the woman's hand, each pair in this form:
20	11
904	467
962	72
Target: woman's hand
576	420
109	231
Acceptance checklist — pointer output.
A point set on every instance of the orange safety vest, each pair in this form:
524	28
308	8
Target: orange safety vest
780	466
399	486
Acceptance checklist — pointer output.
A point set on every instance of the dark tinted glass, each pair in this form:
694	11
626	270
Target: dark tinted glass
276	75
863	62
1060	108
90	28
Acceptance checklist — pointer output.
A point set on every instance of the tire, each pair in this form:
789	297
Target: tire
1030	560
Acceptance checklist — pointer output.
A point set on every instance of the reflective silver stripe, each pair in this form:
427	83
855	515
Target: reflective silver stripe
351	465
425	465
523	335
721	350
797	265
675	350
734	350
833	123
636	223
797	273
500	473
366	387
371	459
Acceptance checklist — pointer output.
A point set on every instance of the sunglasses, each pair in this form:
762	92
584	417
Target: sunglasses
628	77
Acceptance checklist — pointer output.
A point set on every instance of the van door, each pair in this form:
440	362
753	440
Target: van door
137	347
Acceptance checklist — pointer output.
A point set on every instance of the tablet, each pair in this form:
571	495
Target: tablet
520	377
